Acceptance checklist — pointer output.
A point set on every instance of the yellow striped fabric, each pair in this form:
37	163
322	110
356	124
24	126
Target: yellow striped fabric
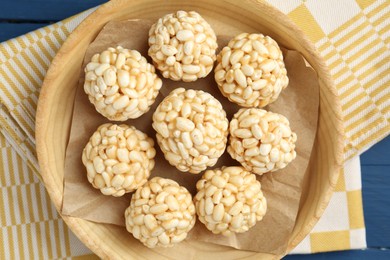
354	39
24	62
31	228
357	53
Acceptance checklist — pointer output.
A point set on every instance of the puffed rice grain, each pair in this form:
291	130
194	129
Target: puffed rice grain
196	136
261	141
118	159
161	213
250	71
182	46
121	84
229	200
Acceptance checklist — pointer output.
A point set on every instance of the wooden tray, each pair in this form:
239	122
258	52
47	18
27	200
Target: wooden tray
57	97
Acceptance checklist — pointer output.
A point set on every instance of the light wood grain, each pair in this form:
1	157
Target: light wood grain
56	103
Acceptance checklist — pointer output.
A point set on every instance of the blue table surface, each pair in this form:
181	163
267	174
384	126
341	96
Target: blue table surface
21	16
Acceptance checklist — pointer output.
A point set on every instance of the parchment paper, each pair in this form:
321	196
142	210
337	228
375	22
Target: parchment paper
298	102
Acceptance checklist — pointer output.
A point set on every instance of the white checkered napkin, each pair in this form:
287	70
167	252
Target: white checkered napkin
354	40
342	225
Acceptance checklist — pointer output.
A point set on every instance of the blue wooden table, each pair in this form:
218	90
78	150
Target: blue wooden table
21	16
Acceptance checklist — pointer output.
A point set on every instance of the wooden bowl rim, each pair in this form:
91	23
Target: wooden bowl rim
56	67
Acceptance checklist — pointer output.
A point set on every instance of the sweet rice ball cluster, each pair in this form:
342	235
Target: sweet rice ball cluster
251	71
182	46
229	200
121	83
118	159
161	213
191	128
261	141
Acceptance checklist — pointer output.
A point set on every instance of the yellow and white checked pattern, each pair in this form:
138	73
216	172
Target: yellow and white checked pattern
352	35
30	226
342	225
354	38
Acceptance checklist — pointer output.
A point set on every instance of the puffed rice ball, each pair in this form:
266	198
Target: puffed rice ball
118	159
191	128
182	46
251	71
121	83
161	213
261	141
229	200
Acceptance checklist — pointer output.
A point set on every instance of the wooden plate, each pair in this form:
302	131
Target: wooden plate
57	97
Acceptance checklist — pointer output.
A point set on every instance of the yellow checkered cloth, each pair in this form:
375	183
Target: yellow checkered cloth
354	38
